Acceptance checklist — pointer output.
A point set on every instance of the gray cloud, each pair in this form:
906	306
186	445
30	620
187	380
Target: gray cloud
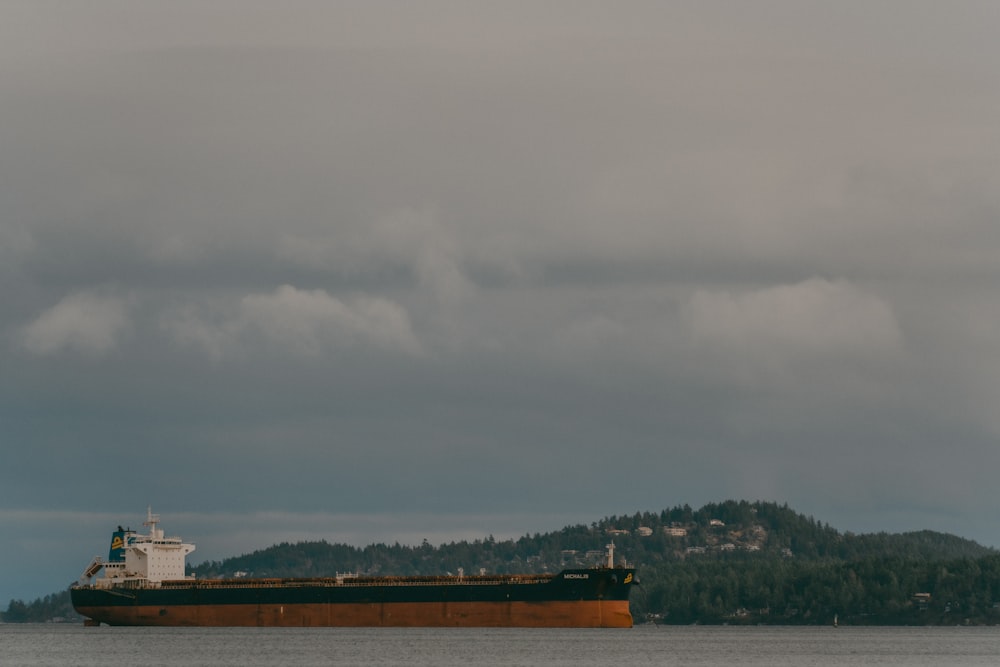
785	334
480	259
81	322
299	322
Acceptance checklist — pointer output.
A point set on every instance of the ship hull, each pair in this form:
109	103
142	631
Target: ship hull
591	614
578	598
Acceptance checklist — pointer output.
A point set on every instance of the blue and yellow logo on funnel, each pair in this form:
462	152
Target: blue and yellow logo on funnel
116	553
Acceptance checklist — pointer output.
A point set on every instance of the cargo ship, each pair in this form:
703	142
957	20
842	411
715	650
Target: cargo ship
144	583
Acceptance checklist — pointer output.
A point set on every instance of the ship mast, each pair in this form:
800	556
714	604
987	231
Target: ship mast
151	521
611	554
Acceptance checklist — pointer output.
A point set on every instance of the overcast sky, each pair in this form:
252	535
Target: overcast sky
384	271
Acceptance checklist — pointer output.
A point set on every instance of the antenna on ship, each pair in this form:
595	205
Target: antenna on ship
151	521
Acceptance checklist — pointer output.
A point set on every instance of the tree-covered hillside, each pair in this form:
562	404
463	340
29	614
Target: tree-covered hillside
730	562
726	530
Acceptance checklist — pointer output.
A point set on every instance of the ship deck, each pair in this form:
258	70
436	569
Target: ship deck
351	581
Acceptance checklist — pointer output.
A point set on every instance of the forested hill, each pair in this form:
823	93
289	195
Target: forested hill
730	562
731	530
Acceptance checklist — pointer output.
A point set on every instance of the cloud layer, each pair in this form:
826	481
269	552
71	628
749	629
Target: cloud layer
484	259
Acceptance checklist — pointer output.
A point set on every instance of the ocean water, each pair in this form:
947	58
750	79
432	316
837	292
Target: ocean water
27	645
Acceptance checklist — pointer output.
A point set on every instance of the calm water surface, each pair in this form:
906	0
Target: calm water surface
25	645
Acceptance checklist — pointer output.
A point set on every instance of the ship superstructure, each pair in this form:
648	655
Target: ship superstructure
140	560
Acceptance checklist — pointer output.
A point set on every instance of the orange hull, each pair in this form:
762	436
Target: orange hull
548	614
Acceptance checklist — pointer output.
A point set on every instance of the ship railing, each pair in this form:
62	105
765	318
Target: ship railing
359	582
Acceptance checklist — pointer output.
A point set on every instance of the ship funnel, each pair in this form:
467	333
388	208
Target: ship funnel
116	554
